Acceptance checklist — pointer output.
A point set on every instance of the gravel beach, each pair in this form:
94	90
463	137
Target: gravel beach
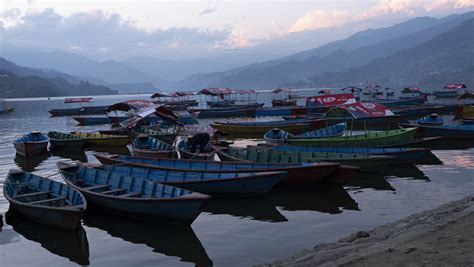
440	237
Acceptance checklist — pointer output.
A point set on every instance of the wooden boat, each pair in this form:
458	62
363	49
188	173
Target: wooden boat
257	129
184	149
149	147
65	141
366	163
341	175
432	119
236	106
93	110
285	111
6	110
31	144
72	245
277	136
102	139
132	196
298	174
165	137
215	184
408	155
221	103
403	102
461	131
227	113
44	200
369	139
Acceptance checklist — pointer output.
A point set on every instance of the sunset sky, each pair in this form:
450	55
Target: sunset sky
201	25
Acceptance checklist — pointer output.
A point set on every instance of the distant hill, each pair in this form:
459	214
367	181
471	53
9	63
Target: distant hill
17	81
77	65
357	50
447	58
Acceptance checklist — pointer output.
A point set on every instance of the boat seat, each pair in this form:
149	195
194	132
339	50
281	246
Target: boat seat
46	200
73	206
118	190
99	186
131	194
33	194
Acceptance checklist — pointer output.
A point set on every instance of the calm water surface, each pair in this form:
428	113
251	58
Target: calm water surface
231	232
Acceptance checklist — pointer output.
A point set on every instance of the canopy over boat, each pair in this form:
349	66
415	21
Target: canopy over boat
161	112
245	91
215	91
330	100
78	100
411	89
157	95
467	95
325	92
130	105
282	90
360	110
455	86
352	89
183	93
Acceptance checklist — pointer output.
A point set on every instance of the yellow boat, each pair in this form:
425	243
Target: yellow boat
468	111
97	139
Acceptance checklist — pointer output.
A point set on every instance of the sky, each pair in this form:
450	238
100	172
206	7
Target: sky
183	29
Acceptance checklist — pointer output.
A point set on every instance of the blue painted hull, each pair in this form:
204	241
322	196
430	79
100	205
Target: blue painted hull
448	132
215	184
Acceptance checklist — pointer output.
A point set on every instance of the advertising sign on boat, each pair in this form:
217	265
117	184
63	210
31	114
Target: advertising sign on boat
330	100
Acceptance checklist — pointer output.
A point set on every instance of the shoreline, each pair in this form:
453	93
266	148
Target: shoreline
442	236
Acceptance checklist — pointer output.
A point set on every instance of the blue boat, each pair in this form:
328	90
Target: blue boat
31	144
44	200
226	113
419	100
461	131
298	174
277	136
216	184
145	146
432	119
132	196
399	154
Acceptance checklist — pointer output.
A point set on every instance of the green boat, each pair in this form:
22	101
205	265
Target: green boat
366	163
60	140
370	139
168	138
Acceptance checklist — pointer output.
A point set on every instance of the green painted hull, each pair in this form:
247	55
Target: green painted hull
371	139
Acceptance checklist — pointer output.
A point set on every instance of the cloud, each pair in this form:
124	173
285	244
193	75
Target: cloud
208	10
98	34
384	10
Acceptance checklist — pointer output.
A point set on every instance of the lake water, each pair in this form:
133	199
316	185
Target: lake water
230	232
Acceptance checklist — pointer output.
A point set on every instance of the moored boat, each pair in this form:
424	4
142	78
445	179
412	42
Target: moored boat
145	146
298	174
97	139
44	200
84	107
449	91
460	131
369	139
185	151
432	119
132	196
31	144
227	113
366	163
413	101
166	137
278	136
215	184
65	141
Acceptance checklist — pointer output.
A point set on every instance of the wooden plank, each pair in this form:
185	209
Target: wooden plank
46	200
118	190
99	186
33	194
131	194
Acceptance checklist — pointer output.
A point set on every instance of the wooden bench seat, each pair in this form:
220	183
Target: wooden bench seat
46	200
118	190
99	186
33	194
131	194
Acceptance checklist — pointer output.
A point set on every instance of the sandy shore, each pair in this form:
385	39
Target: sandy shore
440	237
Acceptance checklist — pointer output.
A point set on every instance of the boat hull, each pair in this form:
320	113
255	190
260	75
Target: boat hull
66	144
341	175
154	154
466	132
246	113
29	149
258	130
78	111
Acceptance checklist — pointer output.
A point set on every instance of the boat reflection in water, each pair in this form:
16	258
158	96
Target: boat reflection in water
29	164
321	198
168	239
70	154
406	171
69	244
260	209
375	181
121	150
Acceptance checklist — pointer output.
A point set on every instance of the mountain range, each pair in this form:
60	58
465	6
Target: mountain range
389	55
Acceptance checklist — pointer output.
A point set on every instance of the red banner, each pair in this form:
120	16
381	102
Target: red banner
330	100
78	100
